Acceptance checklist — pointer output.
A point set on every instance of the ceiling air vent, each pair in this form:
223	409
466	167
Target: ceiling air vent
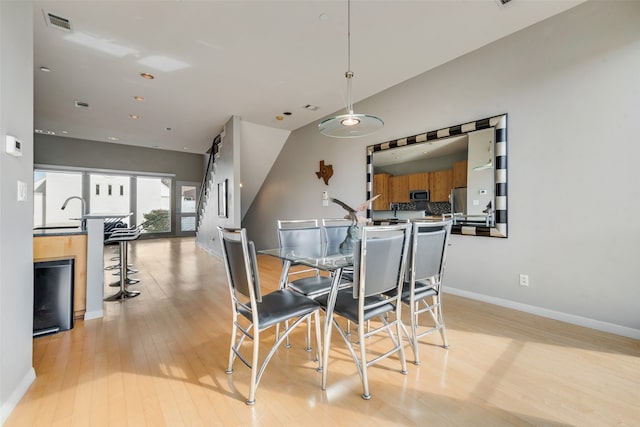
82	104
58	22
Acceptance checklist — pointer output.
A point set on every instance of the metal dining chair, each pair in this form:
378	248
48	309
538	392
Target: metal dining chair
253	312
306	239
379	263
423	280
334	232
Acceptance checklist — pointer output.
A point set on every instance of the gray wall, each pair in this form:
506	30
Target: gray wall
570	86
61	151
16	245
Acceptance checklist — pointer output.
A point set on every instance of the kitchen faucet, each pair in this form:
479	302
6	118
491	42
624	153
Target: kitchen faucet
84	208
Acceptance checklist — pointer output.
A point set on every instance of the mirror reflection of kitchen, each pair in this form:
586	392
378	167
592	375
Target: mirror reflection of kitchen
454	177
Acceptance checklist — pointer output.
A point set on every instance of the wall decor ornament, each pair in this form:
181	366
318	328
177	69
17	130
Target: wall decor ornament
325	172
222	199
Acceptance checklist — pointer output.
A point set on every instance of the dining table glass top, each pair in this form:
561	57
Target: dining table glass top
329	262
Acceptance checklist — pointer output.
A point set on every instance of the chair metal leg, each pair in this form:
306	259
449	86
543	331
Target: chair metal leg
232	354
403	360
254	368
363	363
318	340
443	328
308	346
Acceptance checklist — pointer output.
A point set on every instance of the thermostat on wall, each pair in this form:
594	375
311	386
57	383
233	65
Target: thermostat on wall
13	146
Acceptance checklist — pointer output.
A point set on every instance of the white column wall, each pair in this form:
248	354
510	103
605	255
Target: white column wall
16	217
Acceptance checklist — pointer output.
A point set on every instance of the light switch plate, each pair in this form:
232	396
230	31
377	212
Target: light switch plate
22	191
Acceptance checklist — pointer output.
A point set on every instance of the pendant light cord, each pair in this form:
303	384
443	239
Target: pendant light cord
349	73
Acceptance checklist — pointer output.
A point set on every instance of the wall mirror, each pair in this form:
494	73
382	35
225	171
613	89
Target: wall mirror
459	172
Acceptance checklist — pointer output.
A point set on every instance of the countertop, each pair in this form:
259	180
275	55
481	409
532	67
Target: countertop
57	231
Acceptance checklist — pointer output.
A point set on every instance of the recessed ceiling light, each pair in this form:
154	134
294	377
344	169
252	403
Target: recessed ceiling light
310	107
279	117
45	69
185	148
44	132
323	17
65	132
138	98
147	76
113	138
134	116
155	146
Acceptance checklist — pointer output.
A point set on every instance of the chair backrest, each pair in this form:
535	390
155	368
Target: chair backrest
239	258
302	237
334	232
336	222
297	223
428	250
379	259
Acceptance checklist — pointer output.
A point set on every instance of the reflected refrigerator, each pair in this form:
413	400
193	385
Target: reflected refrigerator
459	200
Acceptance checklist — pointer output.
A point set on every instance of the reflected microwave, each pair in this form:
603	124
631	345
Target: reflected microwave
419	195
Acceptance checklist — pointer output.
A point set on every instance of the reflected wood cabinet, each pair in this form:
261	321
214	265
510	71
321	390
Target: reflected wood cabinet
396	188
419	181
440	185
399	188
381	187
460	174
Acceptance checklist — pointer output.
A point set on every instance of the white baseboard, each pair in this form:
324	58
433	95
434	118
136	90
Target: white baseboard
551	314
96	314
8	406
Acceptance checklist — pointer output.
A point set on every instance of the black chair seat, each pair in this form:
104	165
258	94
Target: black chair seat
315	286
423	290
311	286
346	306
279	306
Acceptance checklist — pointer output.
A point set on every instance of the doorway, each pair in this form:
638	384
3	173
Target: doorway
186	201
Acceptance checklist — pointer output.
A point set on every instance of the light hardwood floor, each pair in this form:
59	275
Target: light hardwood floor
159	360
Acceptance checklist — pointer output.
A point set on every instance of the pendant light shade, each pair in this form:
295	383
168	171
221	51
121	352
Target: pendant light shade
350	125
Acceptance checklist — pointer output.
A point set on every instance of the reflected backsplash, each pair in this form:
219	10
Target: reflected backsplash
429	208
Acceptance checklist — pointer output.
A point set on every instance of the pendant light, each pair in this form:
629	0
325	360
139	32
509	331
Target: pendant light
350	125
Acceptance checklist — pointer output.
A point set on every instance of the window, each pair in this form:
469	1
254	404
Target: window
103	204
50	190
153	203
149	198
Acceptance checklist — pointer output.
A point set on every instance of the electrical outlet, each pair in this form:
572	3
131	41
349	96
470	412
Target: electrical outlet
524	280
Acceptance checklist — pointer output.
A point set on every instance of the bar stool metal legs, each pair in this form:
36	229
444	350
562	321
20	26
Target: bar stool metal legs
123	240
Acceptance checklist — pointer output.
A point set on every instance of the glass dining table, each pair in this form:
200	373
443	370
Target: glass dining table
333	264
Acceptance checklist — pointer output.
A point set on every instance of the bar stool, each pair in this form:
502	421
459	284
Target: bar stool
123	237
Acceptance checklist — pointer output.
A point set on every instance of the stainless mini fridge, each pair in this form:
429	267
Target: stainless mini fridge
52	296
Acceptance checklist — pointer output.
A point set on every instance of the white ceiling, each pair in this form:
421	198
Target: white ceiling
254	59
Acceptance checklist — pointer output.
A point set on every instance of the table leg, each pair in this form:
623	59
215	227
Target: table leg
328	321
